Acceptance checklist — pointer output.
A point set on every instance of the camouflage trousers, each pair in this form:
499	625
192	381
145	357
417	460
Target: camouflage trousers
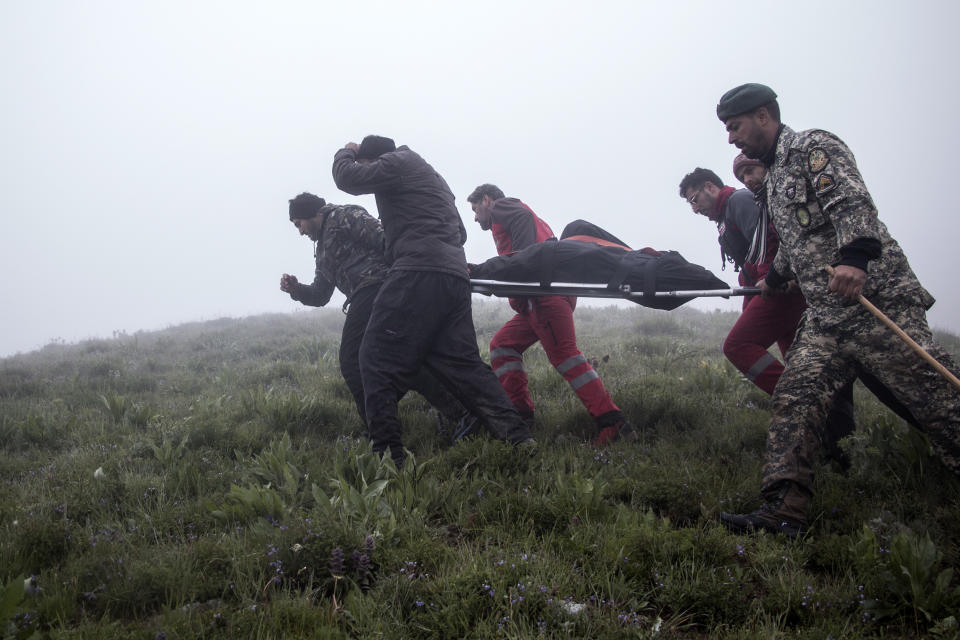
823	359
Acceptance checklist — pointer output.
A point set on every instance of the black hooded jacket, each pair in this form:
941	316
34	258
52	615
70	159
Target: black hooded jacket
422	227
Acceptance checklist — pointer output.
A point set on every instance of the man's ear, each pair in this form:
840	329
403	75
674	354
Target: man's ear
762	116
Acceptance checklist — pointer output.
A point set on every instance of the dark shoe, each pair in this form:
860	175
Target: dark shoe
467	426
767	518
619	430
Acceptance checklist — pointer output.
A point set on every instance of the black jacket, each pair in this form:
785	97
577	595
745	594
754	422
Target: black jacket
422	227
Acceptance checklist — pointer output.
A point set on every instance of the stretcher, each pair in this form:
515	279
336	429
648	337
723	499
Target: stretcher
503	289
590	262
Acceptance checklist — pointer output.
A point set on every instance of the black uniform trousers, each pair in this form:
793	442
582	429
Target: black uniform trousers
424	383
424	319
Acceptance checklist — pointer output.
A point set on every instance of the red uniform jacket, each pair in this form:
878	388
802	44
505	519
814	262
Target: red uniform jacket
515	226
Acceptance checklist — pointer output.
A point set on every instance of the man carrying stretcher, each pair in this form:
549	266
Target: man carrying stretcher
544	319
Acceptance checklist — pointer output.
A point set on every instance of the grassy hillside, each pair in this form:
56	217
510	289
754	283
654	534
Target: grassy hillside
207	481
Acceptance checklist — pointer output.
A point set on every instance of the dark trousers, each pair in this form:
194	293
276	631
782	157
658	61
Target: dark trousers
424	383
766	321
424	319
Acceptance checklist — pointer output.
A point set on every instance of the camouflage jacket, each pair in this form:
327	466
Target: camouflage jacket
349	255
819	203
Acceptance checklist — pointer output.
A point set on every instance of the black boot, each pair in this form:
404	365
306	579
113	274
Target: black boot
784	511
766	517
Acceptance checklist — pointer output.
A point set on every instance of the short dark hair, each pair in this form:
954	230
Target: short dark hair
485	189
306	205
697	178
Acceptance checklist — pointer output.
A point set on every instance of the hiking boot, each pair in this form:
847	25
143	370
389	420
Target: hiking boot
619	430
767	517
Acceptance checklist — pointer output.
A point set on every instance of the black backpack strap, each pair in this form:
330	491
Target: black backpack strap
649	268
620	274
650	277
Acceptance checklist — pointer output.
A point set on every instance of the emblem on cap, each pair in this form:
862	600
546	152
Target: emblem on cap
825	183
817	160
803	216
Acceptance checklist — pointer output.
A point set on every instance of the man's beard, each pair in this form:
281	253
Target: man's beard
751	152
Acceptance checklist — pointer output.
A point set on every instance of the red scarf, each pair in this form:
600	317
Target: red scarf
721	201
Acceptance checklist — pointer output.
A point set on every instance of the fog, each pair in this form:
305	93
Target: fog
149	148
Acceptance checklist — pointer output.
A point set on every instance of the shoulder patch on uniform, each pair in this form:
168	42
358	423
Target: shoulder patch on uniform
830	205
791	192
803	216
817	159
824	183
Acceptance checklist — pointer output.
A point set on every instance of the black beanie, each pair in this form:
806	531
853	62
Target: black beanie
305	205
374	147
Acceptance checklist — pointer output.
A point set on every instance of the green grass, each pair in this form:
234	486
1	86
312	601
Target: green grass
208	481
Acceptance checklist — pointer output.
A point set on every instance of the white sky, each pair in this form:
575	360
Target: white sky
148	149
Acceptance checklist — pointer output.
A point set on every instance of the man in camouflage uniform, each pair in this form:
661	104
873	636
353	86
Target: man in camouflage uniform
349	256
748	240
825	216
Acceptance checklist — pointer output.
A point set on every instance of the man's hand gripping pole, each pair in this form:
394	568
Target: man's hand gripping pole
942	370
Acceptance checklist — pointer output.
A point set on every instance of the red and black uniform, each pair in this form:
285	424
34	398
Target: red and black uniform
548	320
747	239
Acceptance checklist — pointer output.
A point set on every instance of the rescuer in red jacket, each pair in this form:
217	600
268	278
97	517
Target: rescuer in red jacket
547	319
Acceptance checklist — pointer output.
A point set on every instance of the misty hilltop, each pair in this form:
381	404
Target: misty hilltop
210	480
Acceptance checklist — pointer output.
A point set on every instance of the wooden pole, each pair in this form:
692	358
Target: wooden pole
942	370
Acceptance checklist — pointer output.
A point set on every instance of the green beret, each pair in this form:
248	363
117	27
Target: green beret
743	99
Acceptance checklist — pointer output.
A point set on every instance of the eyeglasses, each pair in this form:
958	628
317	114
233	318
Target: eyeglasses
692	200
